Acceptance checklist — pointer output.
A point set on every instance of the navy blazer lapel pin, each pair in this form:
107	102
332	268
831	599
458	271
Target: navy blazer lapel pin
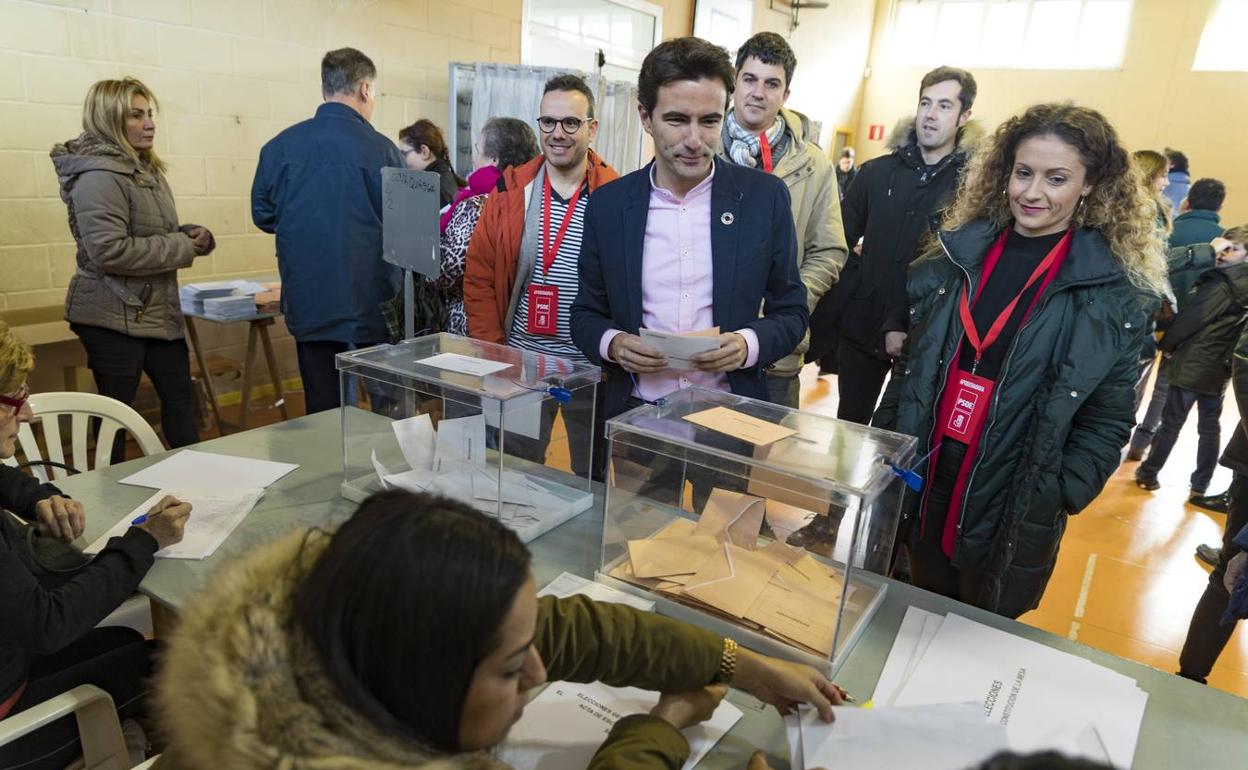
727	218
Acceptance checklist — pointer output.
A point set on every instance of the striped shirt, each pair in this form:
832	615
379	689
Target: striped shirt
563	274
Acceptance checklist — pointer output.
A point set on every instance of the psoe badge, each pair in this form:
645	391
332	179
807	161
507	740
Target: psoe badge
727	218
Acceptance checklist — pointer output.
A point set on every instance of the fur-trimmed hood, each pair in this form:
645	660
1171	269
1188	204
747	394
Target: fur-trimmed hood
903	135
240	688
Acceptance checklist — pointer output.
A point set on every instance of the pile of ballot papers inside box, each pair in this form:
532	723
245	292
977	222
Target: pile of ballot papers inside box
716	565
452	460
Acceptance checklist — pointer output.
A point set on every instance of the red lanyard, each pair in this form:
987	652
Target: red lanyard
997	326
552	250
764	150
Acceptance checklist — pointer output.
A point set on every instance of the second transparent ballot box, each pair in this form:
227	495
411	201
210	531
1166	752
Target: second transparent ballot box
765	524
508	431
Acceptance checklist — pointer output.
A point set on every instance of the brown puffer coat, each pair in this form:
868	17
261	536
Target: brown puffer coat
129	246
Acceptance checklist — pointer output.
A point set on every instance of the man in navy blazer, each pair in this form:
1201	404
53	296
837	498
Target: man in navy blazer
688	243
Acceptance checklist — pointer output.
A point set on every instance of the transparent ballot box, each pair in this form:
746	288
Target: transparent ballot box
763	523
508	431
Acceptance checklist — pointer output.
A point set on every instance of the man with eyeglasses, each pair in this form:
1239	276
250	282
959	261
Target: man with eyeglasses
521	272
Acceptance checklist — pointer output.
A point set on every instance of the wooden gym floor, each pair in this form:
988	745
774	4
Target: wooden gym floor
1127	577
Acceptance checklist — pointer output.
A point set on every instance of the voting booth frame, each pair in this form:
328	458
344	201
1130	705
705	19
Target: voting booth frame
703	490
507	431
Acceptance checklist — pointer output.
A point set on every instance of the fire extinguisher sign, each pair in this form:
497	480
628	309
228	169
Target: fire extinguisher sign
875	132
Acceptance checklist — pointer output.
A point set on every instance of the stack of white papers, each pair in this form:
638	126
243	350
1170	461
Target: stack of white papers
214	515
1045	698
568	584
563	727
223	299
230	308
941	737
192	295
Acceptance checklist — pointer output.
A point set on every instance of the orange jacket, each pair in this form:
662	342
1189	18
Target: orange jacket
494	251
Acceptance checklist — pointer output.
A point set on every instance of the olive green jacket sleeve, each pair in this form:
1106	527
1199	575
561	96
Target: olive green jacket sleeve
586	641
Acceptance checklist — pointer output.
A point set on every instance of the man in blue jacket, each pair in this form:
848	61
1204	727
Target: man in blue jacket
318	188
688	243
1198	221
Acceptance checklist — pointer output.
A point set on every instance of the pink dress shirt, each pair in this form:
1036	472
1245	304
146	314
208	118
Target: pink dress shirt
677	284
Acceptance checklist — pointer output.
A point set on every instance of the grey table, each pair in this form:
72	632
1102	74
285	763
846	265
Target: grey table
1185	723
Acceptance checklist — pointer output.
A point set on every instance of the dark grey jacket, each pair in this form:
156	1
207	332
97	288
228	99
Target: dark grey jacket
1063	406
129	246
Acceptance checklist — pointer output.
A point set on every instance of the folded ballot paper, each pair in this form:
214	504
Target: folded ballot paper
563	727
1045	699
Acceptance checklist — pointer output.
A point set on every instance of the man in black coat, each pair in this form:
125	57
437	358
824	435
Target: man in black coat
892	203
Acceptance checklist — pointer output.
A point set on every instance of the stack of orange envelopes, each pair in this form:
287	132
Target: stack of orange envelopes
717	565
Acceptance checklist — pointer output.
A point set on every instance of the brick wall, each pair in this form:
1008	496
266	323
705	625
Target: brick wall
229	74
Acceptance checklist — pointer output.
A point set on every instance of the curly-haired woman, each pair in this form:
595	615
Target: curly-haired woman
1026	322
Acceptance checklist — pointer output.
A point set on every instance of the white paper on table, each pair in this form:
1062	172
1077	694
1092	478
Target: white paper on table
461	439
417	440
563	727
524	420
793	734
949	736
192	469
454	362
1031	688
214	515
568	584
1079	741
918	628
679	348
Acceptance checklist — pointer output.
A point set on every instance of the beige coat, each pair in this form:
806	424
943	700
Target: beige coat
821	252
129	246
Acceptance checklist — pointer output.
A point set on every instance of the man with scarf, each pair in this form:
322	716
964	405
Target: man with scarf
760	133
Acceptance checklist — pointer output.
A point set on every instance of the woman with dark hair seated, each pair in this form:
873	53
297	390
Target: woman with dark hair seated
410	637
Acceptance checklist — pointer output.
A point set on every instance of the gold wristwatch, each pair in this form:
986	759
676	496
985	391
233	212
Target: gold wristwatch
727	662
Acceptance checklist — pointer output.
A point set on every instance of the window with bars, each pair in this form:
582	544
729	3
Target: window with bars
1010	34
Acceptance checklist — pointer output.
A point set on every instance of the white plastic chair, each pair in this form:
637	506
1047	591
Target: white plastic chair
81	407
99	729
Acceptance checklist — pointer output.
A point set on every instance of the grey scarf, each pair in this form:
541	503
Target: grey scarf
744	148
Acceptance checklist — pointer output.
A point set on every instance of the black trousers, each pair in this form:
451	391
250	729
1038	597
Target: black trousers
320	376
117	660
1206	636
930	568
585	423
859	380
118	361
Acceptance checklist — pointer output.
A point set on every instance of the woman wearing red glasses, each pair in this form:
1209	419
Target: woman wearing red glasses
54	596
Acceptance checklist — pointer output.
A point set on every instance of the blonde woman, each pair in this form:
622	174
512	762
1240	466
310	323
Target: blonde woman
53	596
1026	323
123	300
1154	170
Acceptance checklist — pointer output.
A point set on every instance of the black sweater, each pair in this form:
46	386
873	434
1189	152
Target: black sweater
37	619
1018	261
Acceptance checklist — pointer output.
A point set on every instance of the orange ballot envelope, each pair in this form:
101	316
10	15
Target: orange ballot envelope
662	557
740	425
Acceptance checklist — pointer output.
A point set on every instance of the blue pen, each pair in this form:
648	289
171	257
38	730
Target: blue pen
139	520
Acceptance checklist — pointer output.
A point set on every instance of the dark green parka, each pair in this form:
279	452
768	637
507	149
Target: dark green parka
1062	409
